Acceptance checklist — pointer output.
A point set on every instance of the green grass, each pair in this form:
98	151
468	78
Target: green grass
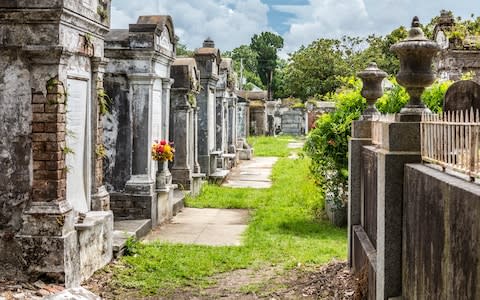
270	146
283	231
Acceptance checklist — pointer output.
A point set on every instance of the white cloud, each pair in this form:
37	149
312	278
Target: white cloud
229	23
335	18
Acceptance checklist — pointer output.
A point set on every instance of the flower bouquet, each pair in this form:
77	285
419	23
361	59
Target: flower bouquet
163	151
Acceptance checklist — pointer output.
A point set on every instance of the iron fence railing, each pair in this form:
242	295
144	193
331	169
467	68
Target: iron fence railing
451	140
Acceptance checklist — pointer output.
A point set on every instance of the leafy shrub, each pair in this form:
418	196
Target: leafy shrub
434	95
393	99
327	143
397	97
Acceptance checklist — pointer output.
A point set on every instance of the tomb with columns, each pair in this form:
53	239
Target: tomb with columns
186	171
55	221
208	60
138	83
226	105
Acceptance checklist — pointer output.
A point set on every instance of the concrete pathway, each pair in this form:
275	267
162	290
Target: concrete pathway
295	145
253	173
206	226
217	227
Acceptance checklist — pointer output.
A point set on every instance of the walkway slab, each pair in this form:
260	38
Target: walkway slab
253	173
203	226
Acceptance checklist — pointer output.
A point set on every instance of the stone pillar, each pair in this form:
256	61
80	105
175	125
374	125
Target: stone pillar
361	136
183	138
400	145
232	125
219	123
142	180
100	196
196	165
166	85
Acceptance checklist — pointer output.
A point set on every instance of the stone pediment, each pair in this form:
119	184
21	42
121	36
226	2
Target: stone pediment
164	38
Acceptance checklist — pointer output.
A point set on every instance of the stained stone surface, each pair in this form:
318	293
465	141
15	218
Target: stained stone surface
207	226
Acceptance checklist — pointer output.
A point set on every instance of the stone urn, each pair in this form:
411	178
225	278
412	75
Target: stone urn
372	78
416	54
163	176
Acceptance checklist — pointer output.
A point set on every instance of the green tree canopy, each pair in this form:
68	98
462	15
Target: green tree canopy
245	63
314	70
182	50
266	45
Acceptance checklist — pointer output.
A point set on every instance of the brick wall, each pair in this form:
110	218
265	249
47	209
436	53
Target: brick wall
48	143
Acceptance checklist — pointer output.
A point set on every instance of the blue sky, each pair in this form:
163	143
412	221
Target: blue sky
232	23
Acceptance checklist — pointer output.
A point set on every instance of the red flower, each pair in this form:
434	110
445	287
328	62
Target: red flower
163	142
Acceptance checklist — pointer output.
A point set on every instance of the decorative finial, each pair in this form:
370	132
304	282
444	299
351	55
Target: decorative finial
415	22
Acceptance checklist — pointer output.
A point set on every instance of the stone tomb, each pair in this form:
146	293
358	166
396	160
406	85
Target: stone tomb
462	95
226	115
208	61
55	221
244	151
138	81
183	124
257	111
294	121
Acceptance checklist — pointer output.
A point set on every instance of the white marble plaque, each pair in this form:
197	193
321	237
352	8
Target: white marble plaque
78	162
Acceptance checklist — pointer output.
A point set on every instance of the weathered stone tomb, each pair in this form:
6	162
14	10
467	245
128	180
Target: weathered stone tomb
138	81
208	61
55	221
244	151
183	124
226	114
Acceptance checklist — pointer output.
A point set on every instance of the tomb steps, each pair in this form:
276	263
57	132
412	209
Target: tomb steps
218	177
123	230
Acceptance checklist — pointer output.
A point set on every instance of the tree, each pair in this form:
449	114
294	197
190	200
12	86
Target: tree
378	51
183	51
245	63
266	45
315	69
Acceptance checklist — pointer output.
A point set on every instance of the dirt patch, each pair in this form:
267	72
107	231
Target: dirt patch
331	281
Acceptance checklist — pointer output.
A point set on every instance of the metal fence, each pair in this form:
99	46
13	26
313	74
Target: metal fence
451	140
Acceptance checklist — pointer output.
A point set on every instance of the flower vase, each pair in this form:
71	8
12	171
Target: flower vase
164	177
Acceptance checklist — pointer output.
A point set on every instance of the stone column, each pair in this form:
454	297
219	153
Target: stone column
206	125
166	86
181	169
400	145
141	87
219	122
230	124
361	136
196	165
100	196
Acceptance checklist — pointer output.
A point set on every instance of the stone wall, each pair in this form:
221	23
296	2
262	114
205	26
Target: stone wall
15	154
441	236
